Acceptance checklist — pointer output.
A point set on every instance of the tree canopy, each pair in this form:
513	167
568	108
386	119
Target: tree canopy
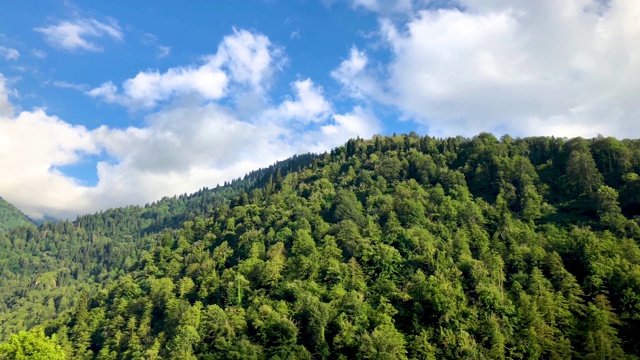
396	247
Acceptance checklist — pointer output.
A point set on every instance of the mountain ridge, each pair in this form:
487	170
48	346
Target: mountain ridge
396	247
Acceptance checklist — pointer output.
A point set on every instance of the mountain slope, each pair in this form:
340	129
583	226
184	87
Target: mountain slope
11	217
44	268
396	247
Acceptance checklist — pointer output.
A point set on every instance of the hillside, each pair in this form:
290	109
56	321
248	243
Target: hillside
44	265
391	248
11	217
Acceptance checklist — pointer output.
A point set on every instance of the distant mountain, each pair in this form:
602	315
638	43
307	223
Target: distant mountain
11	217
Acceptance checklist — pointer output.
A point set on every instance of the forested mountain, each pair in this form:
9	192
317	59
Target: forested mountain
391	248
51	264
11	217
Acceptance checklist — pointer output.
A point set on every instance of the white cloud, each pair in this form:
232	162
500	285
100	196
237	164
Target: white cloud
41	54
356	78
9	53
244	58
544	67
5	106
359	122
32	144
152	40
148	88
191	146
108	92
384	6
182	147
348	69
74	35
163	51
68	85
250	58
309	105
334	131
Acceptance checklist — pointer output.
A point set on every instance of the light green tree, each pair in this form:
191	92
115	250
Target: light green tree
32	345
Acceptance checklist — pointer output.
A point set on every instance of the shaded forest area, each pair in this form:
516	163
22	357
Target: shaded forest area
390	248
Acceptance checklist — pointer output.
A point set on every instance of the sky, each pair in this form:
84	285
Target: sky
105	105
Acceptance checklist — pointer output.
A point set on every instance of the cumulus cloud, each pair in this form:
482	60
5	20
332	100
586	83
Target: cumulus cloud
9	53
249	57
182	146
357	80
546	67
188	147
308	106
76	34
359	122
32	144
148	88
243	57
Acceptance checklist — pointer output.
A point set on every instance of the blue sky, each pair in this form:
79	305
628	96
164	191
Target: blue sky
103	104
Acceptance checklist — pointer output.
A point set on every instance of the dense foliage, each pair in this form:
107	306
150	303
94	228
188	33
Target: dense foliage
391	248
43	269
11	217
32	345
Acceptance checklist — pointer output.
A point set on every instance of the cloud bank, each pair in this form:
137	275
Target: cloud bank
525	68
191	137
545	67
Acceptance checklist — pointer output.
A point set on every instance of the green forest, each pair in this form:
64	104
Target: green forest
396	247
11	217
